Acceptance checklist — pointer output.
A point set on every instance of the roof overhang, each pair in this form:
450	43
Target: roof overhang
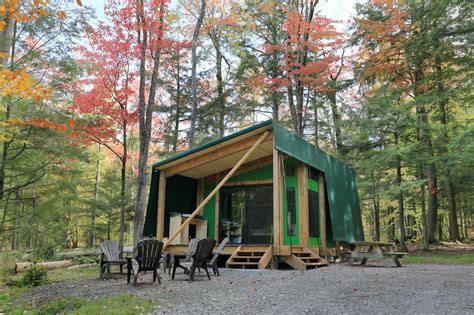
219	155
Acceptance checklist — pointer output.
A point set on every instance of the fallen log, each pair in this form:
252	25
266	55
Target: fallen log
49	265
82	266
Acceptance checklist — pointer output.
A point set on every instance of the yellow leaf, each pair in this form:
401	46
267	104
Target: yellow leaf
61	15
3	10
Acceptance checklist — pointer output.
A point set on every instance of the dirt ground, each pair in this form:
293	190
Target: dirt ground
442	248
340	289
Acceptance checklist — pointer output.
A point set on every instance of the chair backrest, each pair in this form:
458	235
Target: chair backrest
110	250
203	251
219	250
148	254
224	242
191	248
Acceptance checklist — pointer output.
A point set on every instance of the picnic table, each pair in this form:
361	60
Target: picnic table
374	250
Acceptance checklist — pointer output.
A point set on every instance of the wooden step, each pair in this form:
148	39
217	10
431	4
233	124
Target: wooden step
250	257
310	259
247	257
303	259
242	263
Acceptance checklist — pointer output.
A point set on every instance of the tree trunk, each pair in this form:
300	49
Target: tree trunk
391	225
145	115
6	40
220	91
291	104
92	239
194	79
401	206
427	148
18	205
337	119
178	106
453	222
377	218
440	227
123	186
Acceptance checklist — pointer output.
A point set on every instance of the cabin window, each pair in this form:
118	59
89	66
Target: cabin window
291	204
313	204
246	214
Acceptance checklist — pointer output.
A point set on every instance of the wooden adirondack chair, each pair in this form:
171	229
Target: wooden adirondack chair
191	249
146	257
213	262
200	257
110	256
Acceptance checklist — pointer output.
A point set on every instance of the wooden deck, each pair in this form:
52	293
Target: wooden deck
253	256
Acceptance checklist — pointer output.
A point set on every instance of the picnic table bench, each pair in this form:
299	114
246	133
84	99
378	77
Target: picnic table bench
374	250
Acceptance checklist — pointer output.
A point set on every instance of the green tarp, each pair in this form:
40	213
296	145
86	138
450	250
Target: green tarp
180	197
341	189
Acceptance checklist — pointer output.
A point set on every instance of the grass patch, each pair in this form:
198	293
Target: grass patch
11	287
119	304
464	259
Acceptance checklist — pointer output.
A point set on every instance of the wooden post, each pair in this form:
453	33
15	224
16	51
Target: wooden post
216	211
160	216
322	214
303	214
277	202
209	197
200	192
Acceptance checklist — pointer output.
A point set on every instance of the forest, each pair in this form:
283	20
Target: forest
89	100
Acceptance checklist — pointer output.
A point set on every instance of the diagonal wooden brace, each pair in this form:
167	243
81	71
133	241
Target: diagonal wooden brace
218	187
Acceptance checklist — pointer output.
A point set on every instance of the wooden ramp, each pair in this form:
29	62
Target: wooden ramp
250	257
304	259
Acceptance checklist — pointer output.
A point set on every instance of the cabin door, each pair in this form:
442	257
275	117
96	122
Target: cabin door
246	214
313	207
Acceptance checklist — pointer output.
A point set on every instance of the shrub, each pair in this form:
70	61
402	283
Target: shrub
46	252
35	276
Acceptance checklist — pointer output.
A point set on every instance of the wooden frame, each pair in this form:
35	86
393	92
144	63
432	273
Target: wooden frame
160	217
303	209
322	214
250	183
217	210
216	154
260	139
277	202
247	167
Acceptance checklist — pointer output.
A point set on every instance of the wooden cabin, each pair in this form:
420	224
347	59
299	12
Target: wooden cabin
277	197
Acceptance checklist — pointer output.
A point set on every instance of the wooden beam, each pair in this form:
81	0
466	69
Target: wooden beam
216	210
303	206
218	187
247	167
160	216
218	153
250	182
200	192
322	212
277	203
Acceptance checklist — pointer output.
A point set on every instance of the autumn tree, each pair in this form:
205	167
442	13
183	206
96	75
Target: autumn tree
150	27
109	102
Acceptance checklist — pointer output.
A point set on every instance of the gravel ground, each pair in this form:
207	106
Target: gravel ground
415	289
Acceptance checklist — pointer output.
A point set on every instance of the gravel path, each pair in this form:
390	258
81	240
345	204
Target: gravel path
415	289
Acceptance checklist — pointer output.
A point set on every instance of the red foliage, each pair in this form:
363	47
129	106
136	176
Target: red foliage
108	94
320	40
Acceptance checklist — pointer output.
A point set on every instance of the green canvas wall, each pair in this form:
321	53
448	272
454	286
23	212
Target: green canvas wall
341	190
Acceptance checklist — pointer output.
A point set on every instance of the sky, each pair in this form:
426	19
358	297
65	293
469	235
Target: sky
334	9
